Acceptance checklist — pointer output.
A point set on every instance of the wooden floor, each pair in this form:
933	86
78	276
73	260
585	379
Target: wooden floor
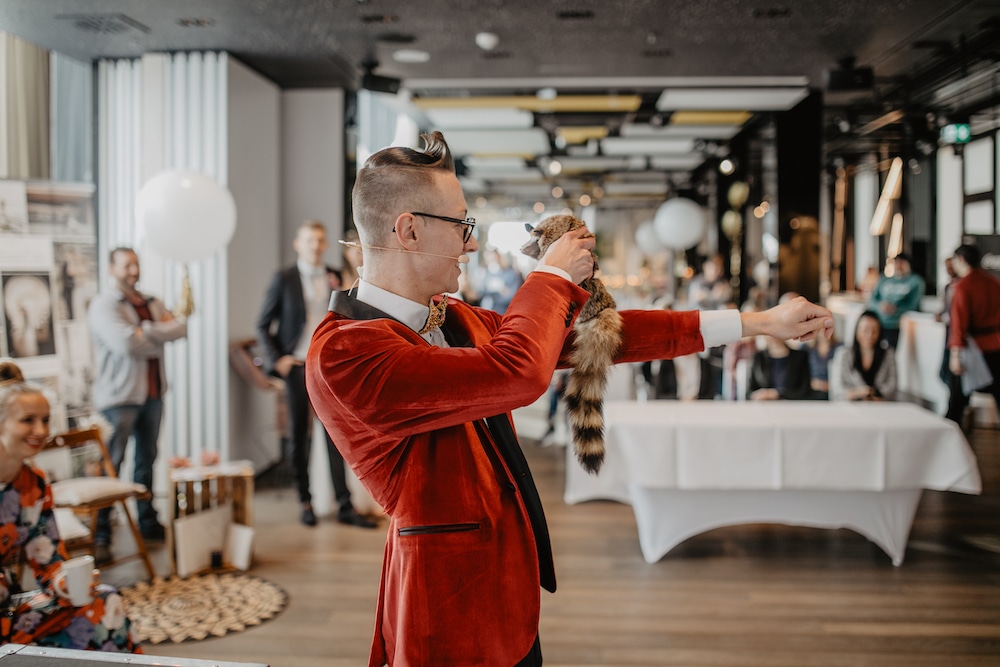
761	595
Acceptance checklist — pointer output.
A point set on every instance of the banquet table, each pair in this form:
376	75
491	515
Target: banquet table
689	467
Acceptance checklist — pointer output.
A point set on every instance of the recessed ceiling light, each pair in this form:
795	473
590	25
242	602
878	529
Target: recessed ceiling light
411	56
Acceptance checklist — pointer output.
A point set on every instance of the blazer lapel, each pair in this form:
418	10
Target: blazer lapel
502	433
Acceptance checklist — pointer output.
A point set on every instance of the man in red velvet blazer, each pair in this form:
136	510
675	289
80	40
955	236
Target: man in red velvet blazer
422	414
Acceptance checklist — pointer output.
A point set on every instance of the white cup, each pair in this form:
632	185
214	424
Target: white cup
74	580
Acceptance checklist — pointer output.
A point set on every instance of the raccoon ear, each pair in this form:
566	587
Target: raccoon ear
528	227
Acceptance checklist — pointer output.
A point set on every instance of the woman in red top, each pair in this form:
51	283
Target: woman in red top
29	539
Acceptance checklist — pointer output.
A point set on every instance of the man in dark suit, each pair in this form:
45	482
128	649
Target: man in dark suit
297	299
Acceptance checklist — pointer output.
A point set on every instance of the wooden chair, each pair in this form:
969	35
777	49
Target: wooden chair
83	479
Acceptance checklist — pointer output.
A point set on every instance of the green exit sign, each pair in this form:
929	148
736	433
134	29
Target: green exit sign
956	133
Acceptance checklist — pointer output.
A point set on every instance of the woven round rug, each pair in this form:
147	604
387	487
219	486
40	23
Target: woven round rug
210	605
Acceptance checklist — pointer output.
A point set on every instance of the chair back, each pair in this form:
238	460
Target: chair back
74	454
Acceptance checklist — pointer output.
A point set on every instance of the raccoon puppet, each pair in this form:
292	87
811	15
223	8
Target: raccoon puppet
597	339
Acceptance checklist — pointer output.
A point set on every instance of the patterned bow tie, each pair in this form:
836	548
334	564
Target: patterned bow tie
436	316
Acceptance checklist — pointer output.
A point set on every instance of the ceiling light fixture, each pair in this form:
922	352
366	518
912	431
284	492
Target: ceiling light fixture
411	56
487	41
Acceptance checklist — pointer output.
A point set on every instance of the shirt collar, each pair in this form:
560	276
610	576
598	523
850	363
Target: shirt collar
310	270
410	313
120	295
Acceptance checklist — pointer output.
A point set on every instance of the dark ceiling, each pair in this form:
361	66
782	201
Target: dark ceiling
601	47
312	43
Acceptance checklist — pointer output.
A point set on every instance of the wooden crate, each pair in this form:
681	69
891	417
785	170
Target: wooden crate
200	488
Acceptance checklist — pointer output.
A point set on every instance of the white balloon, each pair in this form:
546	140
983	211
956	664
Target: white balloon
186	215
646	239
679	223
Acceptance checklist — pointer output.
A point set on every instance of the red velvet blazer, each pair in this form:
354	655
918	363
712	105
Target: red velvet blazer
461	570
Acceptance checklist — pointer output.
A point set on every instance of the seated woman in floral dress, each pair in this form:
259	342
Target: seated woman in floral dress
29	539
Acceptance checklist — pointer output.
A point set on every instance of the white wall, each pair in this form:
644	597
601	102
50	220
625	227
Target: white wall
949	208
866	194
312	158
254	119
254	180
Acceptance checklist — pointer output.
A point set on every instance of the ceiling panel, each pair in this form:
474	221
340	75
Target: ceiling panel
646	146
676	163
635	130
730	99
529	142
632	74
486	117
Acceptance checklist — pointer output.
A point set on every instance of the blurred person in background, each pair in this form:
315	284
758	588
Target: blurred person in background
778	372
896	294
709	289
867	368
295	302
130	331
974	315
821	353
500	281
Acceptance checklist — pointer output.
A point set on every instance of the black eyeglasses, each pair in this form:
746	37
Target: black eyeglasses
470	223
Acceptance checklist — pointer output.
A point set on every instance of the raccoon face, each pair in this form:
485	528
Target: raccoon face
547	232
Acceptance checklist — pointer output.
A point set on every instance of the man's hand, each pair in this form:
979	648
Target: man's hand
797	319
955	361
572	253
285	364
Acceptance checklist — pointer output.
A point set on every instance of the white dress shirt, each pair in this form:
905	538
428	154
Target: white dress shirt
410	313
316	292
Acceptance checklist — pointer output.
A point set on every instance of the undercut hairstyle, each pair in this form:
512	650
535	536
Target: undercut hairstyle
395	180
10	391
969	254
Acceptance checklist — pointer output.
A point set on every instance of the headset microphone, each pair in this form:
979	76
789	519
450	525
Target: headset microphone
461	259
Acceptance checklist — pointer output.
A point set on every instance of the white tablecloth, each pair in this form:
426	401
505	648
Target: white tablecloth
854	465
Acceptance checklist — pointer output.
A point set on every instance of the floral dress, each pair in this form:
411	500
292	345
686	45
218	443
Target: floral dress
28	537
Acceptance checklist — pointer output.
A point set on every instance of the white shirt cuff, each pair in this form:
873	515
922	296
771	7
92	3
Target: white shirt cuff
553	270
719	327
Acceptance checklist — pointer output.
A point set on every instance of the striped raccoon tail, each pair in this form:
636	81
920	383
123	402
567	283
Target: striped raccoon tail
597	341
